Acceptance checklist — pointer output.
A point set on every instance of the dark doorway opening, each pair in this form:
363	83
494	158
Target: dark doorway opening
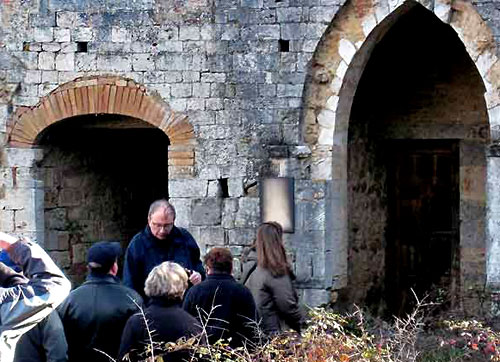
423	221
100	175
419	88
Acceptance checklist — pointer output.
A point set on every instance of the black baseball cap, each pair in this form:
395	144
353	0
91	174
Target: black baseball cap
103	254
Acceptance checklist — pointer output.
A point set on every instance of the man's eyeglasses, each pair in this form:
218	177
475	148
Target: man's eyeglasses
162	226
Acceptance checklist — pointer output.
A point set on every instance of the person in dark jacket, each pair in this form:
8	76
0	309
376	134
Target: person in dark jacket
94	314
26	299
45	342
161	241
165	287
225	307
271	283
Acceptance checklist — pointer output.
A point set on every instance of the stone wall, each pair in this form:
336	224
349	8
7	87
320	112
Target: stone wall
251	77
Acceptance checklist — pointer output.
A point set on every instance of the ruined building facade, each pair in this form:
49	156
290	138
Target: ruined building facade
385	114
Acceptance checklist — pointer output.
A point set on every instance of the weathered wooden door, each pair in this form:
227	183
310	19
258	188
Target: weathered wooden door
423	227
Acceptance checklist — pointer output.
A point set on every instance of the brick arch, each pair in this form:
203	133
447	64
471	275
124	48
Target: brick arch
98	95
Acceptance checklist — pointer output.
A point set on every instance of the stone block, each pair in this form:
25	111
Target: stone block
32	77
187	188
229	209
260	32
114	62
49	77
214	189
235	187
312	215
181	90
191	32
49	47
242	236
23	157
162	89
290	14
61	258
170	46
214	104
65	61
191	77
248	214
80	253
195	104
62	35
82	34
212	236
206	211
290	90
202	118
85	62
46	61
120	35
172	77
178	104
68	47
213	77
56	240
44	34
55	219
143	62
315	297
201	90
7	220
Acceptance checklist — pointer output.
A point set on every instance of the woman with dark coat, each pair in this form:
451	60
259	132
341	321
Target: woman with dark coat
271	282
166	320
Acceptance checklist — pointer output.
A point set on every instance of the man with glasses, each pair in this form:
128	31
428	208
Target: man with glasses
161	241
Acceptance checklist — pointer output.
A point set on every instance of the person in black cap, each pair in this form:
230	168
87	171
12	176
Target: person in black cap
95	314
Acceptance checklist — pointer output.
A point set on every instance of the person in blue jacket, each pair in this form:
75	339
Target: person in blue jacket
26	299
161	241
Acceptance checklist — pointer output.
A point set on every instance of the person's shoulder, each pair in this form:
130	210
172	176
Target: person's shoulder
186	236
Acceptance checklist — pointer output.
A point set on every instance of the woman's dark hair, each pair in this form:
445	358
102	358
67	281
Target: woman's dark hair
271	254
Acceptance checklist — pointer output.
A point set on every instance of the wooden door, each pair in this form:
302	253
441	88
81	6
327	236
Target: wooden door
423	230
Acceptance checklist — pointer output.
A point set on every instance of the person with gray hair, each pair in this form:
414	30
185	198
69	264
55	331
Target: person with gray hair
161	241
165	287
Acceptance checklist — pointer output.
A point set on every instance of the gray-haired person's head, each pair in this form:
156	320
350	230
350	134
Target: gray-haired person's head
161	204
167	280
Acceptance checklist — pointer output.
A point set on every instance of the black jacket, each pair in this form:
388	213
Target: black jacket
169	323
145	252
46	342
234	313
94	315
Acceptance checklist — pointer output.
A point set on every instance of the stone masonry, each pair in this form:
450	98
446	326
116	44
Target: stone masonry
243	89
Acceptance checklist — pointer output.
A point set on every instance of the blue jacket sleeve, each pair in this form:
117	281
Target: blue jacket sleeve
132	271
22	306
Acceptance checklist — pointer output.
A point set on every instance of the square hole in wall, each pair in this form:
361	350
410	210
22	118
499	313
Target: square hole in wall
26	46
224	188
81	47
284	45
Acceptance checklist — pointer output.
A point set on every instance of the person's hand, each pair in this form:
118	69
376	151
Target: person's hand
6	240
195	278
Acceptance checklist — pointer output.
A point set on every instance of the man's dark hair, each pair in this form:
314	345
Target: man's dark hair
219	260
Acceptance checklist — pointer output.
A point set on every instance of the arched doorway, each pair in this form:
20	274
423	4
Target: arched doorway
100	175
418	122
108	148
340	60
